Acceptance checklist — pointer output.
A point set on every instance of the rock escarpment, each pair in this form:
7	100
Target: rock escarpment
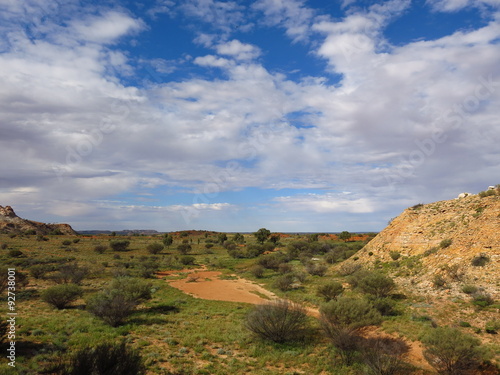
461	235
11	223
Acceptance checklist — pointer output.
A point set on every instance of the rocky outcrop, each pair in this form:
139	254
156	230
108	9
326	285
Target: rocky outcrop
472	224
11	223
444	236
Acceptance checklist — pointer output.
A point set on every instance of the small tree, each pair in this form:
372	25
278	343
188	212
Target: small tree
279	321
61	296
105	359
184	248
261	235
345	236
450	351
119	245
155	248
168	240
238	238
221	238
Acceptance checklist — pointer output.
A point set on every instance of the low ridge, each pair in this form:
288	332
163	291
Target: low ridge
11	223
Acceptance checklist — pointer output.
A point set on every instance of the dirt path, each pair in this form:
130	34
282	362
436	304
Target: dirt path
204	284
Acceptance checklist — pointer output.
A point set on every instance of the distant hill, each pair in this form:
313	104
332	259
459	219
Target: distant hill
125	232
11	223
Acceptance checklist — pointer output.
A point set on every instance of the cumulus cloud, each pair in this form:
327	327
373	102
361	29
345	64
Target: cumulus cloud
405	123
293	15
238	50
455	5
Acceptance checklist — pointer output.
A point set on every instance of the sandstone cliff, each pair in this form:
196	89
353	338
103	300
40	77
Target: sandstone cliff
11	223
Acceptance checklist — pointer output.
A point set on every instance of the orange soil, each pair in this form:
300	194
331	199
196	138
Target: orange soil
207	285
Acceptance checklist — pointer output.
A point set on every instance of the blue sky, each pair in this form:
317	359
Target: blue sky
292	115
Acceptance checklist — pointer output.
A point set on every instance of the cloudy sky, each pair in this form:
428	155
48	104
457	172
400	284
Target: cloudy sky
294	115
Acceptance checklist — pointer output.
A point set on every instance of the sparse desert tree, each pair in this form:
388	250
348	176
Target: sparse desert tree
345	236
450	351
184	248
330	291
119	245
70	273
115	303
155	248
168	240
100	249
341	320
382	356
60	296
105	359
278	321
262	235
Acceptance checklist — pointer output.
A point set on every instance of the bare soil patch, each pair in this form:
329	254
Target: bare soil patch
208	285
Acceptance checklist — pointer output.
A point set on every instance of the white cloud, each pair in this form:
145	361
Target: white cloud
456	5
238	50
326	203
212	61
293	15
106	28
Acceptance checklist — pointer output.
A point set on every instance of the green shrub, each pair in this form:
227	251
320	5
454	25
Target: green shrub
316	269
119	245
395	255
450	351
330	291
482	299
39	271
385	306
349	313
155	248
481	260
469	289
438	281
376	284
105	359
61	296
278	321
66	242
445	243
184	248
115	303
341	321
492	326
100	249
4	246
70	273
187	260
15	253
257	271
284	283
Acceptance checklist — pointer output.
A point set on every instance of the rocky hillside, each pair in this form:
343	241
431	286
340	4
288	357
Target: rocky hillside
459	238
11	223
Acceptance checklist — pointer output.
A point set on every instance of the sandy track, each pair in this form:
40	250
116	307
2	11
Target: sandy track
207	285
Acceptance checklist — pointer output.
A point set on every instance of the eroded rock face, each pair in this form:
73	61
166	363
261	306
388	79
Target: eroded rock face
471	223
11	223
443	238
